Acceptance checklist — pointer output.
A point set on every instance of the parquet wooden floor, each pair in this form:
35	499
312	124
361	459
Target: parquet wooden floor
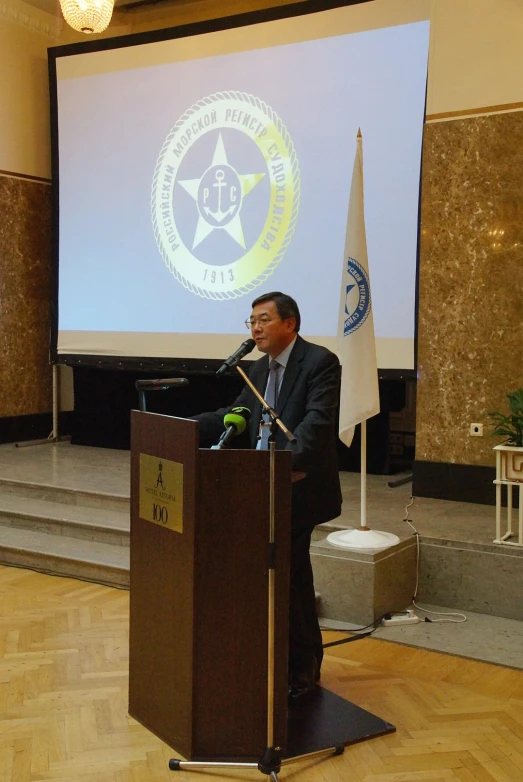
63	701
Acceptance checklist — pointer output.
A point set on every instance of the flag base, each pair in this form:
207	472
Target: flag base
366	541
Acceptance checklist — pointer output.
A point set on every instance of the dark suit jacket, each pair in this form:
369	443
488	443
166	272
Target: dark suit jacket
308	405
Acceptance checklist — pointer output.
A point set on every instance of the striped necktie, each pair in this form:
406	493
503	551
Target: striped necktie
271	397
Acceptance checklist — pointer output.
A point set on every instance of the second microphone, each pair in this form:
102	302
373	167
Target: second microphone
235	423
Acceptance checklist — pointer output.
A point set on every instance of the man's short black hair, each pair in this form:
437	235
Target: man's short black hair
286	307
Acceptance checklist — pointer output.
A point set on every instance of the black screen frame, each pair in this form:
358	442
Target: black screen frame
162	364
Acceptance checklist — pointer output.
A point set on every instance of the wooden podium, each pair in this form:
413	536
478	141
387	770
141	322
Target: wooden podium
199	590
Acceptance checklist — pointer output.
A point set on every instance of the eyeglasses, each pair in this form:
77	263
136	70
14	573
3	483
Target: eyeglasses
262	321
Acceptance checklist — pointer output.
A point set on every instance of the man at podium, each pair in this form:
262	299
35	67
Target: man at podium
301	381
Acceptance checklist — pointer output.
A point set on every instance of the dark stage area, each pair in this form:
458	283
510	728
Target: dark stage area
104	398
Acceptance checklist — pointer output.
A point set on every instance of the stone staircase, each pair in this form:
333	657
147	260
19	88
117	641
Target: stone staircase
82	534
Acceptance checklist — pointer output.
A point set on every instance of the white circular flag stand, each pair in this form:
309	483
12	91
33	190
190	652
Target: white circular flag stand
363	540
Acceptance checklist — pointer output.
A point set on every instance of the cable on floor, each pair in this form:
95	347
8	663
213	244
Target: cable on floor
462	617
453	617
357	631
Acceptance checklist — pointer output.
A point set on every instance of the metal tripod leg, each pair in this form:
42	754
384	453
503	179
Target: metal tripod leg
197	765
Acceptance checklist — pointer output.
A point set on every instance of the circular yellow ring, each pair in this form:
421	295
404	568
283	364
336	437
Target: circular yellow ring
266	130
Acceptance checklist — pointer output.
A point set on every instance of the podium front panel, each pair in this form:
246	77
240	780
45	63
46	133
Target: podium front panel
231	592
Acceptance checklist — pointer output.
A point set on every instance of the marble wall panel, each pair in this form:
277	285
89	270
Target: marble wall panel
470	579
470	326
25	295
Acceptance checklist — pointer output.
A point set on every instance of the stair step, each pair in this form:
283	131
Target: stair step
102	563
64	495
57	518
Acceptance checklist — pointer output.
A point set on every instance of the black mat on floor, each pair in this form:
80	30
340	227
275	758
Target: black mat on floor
326	720
322	721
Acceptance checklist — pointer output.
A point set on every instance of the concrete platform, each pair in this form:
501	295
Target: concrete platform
357	587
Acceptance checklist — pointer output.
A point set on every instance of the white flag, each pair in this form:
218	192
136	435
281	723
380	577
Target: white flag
359	398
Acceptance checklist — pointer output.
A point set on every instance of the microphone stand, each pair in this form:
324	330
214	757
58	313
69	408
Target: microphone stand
270	762
156	385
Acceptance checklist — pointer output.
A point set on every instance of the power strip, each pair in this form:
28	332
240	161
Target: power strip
406	618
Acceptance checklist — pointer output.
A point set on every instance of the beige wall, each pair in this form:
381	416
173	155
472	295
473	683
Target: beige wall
476	50
476	54
476	62
24	102
476	58
25	35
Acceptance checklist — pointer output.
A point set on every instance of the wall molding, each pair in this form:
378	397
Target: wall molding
24	17
502	108
14	175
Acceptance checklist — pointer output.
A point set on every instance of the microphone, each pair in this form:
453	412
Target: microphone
160	385
235	423
237	356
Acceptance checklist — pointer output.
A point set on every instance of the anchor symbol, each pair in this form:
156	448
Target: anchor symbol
219	215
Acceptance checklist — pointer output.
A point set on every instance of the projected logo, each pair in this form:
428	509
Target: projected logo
225	195
357	297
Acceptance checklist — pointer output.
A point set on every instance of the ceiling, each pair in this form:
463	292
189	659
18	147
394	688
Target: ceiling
49	6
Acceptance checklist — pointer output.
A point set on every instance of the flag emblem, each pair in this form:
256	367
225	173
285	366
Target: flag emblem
357	297
225	195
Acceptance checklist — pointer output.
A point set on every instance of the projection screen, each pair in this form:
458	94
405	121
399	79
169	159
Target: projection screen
199	172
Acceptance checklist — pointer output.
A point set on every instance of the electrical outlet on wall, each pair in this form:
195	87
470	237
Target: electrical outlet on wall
476	430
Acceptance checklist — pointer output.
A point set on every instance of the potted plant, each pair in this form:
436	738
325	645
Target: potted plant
510	426
510	452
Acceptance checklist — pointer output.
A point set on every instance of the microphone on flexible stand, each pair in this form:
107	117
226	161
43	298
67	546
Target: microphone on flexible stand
235	423
156	385
237	356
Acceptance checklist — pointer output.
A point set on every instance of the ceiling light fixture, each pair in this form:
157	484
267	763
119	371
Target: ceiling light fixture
87	16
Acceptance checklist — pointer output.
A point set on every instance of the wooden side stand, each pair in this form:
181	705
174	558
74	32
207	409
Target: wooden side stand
509	473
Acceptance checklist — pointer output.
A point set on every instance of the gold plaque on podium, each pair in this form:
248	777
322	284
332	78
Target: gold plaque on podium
161	492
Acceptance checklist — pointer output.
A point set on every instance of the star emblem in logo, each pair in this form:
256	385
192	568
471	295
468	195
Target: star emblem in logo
219	195
225	195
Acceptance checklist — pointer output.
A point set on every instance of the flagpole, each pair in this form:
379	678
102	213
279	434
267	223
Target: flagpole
359	396
363	477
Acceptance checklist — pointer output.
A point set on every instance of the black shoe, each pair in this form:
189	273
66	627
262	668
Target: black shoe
302	682
300	691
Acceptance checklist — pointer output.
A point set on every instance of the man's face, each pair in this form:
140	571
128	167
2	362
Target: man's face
271	333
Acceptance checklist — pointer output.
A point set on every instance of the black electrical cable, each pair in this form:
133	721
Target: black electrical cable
357	633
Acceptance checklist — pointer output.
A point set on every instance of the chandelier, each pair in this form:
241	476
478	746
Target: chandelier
87	16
